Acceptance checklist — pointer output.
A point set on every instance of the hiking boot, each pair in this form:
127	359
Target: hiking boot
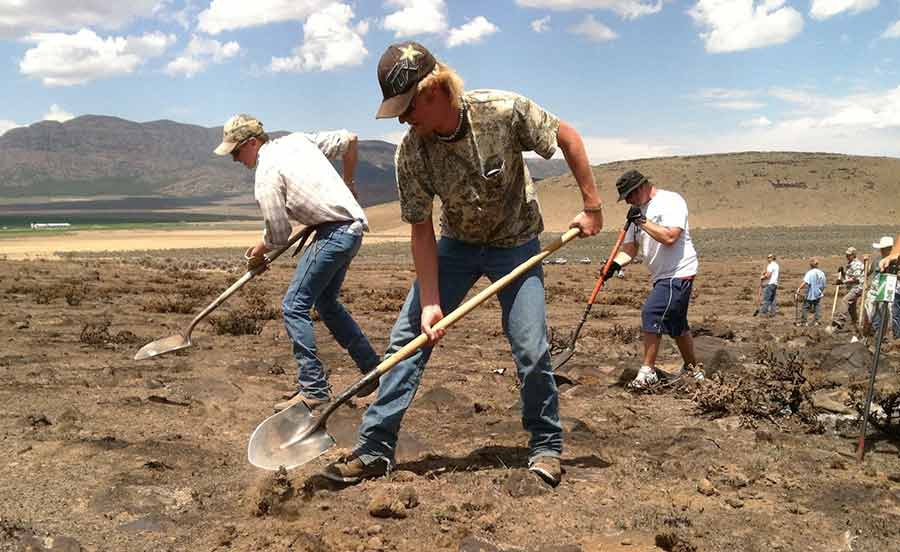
695	371
297	397
646	377
547	468
351	469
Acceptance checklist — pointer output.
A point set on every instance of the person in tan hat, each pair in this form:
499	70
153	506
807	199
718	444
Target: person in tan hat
884	265
851	279
294	180
465	147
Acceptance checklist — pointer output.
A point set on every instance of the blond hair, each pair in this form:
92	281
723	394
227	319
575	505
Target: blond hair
445	77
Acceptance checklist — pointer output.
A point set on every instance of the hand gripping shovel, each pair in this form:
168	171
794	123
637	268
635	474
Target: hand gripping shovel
183	340
563	356
294	436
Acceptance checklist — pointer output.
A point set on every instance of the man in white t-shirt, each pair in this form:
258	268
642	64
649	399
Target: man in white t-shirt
659	223
769	283
295	180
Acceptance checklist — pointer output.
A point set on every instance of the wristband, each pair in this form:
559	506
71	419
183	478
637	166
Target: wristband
596	209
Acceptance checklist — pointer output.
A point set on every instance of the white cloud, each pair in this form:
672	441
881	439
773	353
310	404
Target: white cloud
415	17
227	15
7	125
60	59
165	11
730	98
756	122
629	9
199	53
593	30
541	25
22	17
58	114
605	149
823	9
329	42
472	32
893	31
735	25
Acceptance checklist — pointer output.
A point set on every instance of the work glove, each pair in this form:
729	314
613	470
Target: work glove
635	216
614	267
253	262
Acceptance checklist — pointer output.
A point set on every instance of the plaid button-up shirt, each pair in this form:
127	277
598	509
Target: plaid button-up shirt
295	180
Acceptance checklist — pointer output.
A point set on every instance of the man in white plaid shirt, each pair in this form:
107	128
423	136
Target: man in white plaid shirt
295	180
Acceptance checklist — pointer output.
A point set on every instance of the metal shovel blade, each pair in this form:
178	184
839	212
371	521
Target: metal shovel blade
164	345
562	357
267	448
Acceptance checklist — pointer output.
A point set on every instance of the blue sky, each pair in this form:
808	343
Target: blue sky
637	78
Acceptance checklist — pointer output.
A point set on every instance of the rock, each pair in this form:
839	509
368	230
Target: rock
717	355
522	483
227	535
374	530
734	502
894	477
382	505
408	497
375	543
832	400
850	359
797	509
403	476
475	544
706	488
573	425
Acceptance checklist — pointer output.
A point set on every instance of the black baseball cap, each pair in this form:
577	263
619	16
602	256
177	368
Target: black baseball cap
400	69
629	182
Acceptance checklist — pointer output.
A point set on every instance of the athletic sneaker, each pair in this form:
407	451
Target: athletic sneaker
646	377
548	468
694	370
351	469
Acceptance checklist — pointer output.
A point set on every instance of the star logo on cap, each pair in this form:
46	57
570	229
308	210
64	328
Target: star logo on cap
410	53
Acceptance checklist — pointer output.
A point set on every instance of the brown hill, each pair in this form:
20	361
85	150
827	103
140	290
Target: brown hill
749	189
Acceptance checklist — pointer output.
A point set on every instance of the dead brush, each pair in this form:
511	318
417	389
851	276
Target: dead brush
75	294
98	335
623	299
247	319
887	423
620	333
775	386
178	304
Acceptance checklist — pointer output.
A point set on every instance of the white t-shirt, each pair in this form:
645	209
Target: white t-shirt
773	270
295	180
678	260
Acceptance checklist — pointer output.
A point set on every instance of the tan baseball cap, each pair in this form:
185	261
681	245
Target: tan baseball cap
237	129
850	251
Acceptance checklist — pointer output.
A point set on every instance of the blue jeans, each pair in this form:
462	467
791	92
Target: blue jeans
768	301
895	315
317	283
460	265
811	306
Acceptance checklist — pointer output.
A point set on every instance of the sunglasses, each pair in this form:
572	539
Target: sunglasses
237	149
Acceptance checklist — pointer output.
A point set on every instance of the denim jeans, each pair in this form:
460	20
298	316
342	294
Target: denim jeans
768	301
811	306
460	265
317	283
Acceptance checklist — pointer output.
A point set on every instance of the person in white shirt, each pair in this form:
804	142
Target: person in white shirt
769	283
295	180
659	223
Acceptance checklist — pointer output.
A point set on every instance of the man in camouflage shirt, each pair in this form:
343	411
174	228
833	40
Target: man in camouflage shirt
466	148
852	279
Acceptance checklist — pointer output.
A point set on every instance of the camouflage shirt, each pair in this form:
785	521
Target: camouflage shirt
855	269
487	196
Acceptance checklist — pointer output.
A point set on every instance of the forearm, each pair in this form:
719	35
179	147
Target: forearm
572	146
895	251
424	252
350	159
662	234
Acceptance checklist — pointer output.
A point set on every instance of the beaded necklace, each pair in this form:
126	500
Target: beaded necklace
461	127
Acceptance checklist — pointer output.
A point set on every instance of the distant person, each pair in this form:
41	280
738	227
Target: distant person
769	283
295	180
852	280
893	257
814	281
871	312
465	147
659	222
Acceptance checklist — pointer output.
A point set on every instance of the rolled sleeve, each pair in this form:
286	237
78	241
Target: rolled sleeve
416	196
332	143
271	199
535	128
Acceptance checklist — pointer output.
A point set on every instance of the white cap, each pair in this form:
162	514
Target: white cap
885	241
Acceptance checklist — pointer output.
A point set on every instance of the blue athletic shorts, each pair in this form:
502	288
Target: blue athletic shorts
665	311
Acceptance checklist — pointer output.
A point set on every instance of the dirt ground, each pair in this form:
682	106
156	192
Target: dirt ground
101	452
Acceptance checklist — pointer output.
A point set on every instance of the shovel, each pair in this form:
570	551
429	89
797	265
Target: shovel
183	340
294	436
563	356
